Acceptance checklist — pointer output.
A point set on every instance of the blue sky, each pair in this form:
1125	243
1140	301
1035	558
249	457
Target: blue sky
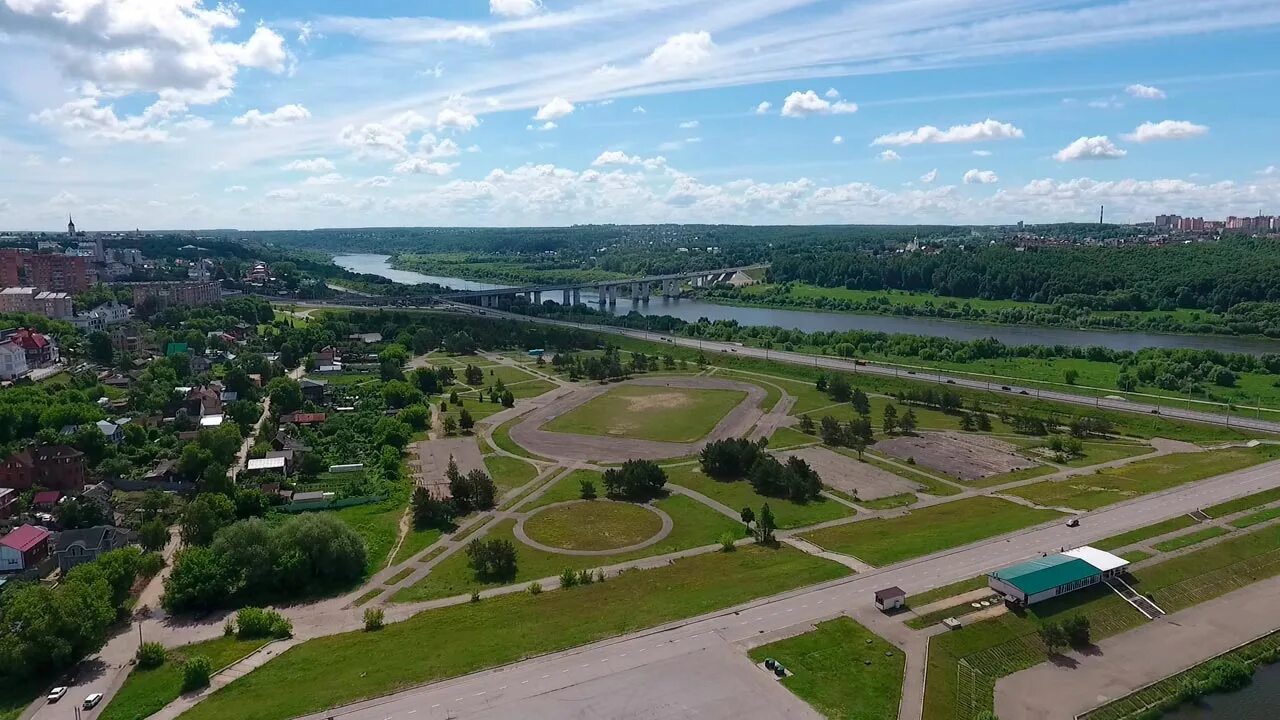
185	114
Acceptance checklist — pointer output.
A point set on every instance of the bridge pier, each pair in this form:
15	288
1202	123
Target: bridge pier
613	294
577	296
645	290
603	292
565	301
537	297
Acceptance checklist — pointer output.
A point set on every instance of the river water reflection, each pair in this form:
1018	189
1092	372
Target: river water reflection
812	321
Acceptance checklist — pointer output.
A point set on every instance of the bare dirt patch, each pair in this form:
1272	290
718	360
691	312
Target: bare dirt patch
432	460
850	476
968	457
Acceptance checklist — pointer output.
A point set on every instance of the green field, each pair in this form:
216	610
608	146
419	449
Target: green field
565	489
593	525
1013	476
739	494
1145	533
788	438
932	485
1096	453
415	542
891	502
1192	538
146	691
1248	502
1256	518
642	412
1089	492
1136	556
946	591
928	530
845	671
695	526
340	669
502	439
378	524
507	472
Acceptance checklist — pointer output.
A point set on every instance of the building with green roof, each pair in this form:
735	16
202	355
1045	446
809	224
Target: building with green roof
1053	575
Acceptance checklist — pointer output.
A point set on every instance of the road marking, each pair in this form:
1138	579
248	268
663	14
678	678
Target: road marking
623	655
567	670
435	706
412	712
458	699
526	682
544	677
480	693
603	661
504	687
643	649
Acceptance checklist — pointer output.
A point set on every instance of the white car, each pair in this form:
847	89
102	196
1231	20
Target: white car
56	694
92	701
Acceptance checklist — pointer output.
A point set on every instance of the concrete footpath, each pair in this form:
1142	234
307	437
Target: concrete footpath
1077	682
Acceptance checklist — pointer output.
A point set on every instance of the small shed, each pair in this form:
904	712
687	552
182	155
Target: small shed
267	464
891	598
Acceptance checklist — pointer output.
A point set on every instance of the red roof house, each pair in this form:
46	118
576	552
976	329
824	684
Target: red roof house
59	467
303	418
23	548
46	498
40	349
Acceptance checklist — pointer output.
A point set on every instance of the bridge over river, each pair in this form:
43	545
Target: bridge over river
639	289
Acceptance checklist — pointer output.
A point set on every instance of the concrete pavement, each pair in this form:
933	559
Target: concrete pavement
561	675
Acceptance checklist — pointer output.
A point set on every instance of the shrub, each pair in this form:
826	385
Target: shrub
254	623
150	564
475	596
586	577
587	490
195	673
726	542
151	655
373	619
229	628
535	588
568	579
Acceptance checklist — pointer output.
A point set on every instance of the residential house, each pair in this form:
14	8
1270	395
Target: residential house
267	464
313	390
81	546
23	548
164	472
46	499
371	338
302	419
113	432
58	467
287	455
41	349
203	401
13	360
8	503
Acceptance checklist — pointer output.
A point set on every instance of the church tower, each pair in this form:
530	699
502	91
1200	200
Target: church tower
71	227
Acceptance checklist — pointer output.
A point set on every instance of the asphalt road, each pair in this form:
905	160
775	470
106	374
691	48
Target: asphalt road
669	661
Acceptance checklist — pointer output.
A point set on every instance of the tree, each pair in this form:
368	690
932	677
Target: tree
839	389
492	560
200	580
426	380
860	402
831	432
373	619
587	489
99	348
203	517
459	343
508	399
1070	375
636	480
730	458
473	375
450	425
424	341
392	432
821	383
907	423
394	353
806	425
890	418
1077	631
748	515
285	395
473	491
399	394
465	421
416	417
765	526
983	421
153	535
430	511
77	513
151	655
1053	635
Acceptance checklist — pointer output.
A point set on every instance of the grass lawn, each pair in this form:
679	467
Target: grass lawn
1089	492
531	388
695	526
365	598
16	696
567	488
832	672
1145	533
1014	476
415	542
1256	518
891	502
786	438
739	494
649	413
1192	538
593	525
146	691
927	530
378	524
508	472
1211	571
1096	453
1136	556
946	591
344	668
1248	502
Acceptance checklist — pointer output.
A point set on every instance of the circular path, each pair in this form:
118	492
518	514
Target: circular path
667	525
528	433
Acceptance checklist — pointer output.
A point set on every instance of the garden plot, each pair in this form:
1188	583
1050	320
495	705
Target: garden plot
862	479
968	457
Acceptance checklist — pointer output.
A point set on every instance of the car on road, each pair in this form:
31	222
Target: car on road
92	701
951	382
1005	388
1023	392
56	694
1073	522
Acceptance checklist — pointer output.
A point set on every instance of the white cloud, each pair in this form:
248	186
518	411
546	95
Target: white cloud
831	94
313	165
976	132
284	195
422	166
1146	92
837	140
681	52
326	179
1166	130
514	8
764	107
617	157
689	125
264	50
280	117
639	109
888	156
1098	147
982	153
980	177
1269	170
455	119
377	181
64	160
152	125
547	126
557	108
800	104
236	189
929	177
1110	103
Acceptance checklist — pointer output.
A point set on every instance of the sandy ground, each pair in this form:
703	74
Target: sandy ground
848	475
968	457
590	448
433	460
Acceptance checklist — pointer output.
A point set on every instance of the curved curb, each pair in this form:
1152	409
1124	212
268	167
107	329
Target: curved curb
667	526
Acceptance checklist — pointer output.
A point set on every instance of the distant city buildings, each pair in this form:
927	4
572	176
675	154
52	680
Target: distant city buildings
169	293
1258	224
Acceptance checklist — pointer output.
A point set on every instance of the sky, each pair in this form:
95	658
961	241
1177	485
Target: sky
281	114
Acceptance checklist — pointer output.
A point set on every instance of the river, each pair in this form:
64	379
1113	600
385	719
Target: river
1259	701
812	321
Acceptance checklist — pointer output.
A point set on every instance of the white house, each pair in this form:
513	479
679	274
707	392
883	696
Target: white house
13	360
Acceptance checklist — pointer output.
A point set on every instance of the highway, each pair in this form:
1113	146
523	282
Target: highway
696	667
